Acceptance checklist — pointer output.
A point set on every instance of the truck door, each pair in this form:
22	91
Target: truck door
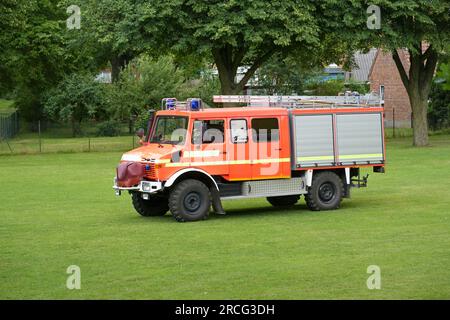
238	151
208	146
270	147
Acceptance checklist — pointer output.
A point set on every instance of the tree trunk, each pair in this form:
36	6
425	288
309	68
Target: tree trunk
76	127
117	64
419	120
228	59
417	82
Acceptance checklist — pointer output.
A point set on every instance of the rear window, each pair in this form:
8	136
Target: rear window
265	129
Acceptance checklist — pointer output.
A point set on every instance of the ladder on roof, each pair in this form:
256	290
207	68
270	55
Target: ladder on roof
347	100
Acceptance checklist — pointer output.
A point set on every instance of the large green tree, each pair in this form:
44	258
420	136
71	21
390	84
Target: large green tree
108	33
234	33
419	26
12	20
34	51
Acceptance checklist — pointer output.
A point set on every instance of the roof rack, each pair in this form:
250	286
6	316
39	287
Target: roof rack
342	101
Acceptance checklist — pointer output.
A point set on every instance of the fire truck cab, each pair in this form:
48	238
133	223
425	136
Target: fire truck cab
278	148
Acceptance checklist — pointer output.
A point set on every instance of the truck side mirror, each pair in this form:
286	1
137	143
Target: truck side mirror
140	133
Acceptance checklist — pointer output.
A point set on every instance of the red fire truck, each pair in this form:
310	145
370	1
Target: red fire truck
274	147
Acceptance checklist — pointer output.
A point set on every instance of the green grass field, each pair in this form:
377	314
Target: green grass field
59	209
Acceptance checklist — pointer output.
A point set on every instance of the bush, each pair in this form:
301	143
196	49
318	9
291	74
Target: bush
76	98
142	85
145	81
326	88
361	88
110	128
439	107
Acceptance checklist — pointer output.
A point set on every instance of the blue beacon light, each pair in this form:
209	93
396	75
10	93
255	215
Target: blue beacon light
195	105
170	104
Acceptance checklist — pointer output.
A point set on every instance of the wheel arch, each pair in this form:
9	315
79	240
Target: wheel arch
192	173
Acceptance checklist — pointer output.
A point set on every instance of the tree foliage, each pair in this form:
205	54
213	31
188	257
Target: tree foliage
109	33
234	33
419	26
34	51
439	107
76	98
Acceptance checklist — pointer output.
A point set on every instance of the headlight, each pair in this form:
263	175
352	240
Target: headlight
146	186
131	157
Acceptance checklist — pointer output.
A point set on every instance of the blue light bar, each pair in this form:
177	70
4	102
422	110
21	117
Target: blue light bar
195	104
171	104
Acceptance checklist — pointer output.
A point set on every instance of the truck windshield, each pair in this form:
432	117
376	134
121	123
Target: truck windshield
170	130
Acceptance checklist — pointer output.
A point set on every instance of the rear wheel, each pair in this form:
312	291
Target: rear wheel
154	206
190	200
325	192
283	201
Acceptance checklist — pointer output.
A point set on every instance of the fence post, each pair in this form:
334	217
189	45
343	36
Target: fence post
39	130
393	122
89	144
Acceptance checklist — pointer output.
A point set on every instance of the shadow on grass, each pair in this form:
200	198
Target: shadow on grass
256	211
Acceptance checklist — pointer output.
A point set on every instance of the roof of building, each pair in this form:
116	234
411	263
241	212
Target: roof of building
364	62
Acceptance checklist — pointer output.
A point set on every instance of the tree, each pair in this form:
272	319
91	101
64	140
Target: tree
34	51
233	33
76	98
13	20
419	26
287	75
108	33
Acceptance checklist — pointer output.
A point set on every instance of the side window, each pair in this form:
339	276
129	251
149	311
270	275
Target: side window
239	131
208	131
265	130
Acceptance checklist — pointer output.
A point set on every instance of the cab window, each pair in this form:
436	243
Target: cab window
239	131
207	131
265	129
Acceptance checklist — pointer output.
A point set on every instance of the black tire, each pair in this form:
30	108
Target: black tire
325	192
283	201
190	200
154	206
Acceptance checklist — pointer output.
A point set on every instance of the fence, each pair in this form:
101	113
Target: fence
9	125
33	144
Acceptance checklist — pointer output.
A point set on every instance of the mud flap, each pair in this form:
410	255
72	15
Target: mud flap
216	203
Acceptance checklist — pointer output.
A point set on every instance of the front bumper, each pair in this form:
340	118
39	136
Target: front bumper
144	186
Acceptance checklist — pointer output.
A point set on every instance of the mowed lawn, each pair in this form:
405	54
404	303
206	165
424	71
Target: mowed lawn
58	210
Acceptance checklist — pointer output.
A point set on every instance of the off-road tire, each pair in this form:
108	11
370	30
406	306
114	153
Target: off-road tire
325	192
154	206
190	200
283	201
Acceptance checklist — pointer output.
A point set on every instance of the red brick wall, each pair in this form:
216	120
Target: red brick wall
384	72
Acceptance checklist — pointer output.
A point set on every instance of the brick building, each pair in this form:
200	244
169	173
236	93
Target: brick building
378	68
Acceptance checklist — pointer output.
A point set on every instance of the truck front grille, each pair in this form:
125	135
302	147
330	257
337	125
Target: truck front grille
150	171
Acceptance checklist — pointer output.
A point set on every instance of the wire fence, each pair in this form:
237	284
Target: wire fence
34	145
46	137
9	125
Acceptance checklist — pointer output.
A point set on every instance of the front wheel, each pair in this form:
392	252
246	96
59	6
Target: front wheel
190	200
326	191
154	206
